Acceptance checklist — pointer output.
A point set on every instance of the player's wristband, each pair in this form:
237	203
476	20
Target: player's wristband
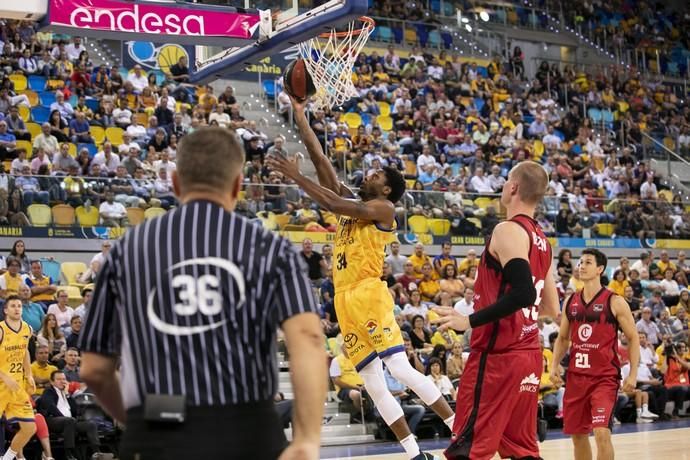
518	275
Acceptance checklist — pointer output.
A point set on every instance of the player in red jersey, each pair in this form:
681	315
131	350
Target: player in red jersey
590	322
497	404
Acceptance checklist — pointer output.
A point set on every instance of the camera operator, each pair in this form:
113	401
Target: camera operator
675	370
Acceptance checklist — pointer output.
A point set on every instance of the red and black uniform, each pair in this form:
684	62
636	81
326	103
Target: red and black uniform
497	399
593	376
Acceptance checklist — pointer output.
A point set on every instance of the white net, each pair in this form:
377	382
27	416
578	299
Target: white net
330	61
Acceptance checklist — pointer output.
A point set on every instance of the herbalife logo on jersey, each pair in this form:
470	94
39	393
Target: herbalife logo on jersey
530	384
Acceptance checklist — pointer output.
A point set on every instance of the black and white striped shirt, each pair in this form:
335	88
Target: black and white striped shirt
191	302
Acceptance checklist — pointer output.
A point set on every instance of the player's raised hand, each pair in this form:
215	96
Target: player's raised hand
450	319
283	165
555	377
298	106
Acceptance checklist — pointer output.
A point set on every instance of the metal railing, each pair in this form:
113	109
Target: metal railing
658	152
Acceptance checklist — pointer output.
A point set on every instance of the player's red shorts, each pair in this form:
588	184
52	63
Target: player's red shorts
589	403
496	409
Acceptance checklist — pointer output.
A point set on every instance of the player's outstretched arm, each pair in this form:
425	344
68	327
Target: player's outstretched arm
621	310
324	169
560	346
549	297
380	211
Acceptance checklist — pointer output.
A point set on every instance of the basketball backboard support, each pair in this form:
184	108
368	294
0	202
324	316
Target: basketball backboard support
291	26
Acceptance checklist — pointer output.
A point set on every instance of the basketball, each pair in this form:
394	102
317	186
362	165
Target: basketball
298	82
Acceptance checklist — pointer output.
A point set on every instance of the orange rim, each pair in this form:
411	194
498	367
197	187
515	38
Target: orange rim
369	24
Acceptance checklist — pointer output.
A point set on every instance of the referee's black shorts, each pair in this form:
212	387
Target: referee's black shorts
252	431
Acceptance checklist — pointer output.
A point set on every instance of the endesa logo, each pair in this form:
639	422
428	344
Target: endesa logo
135	21
151	18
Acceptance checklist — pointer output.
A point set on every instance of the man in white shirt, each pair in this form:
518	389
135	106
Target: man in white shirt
108	159
164	163
113	214
74	49
46	141
550	140
480	183
138	79
649	328
465	306
495	179
577	201
62	106
100	257
127	144
426	161
396	260
648	189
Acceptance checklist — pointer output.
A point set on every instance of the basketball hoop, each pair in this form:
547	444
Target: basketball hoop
330	58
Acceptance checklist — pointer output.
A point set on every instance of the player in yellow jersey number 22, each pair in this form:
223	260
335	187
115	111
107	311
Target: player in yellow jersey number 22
362	301
16	382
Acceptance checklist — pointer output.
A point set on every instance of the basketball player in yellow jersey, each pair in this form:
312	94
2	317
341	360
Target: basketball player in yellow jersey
16	382
362	301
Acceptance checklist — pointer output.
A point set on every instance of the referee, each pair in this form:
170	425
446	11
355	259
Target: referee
187	305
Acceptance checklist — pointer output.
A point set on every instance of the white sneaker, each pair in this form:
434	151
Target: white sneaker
647	414
644	420
616	421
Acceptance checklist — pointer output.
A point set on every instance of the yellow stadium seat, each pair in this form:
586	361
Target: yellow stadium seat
411	171
39	214
114	135
63	214
385	122
623	106
353	120
418	224
605	229
666	195
135	216
439	227
409	183
19	81
87	217
467	203
98	134
538	149
411	36
141	118
670	144
475	221
282	220
70	271
150	213
384	108
333	346
24	113
483	202
26	145
32	95
72	150
33	128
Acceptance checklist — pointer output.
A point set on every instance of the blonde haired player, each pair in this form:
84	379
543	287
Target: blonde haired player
16	382
362	301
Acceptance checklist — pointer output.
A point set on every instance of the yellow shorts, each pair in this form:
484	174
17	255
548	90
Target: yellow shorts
365	316
16	406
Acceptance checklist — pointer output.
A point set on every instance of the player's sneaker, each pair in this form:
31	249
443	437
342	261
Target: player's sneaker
647	414
426	456
643	420
616	421
559	414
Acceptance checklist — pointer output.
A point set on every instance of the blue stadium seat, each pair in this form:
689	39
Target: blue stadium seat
73	100
397	34
269	87
435	39
436	6
479	103
40	114
92	104
559	134
594	114
51	268
37	82
422	34
385	34
46	98
93	150
447	40
482	71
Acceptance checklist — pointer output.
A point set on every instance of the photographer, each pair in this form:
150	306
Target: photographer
675	370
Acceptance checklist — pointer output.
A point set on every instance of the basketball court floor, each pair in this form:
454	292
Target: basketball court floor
654	441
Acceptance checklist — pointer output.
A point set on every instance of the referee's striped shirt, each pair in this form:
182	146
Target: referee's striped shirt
191	302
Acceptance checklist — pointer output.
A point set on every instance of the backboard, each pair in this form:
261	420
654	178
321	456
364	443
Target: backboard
292	22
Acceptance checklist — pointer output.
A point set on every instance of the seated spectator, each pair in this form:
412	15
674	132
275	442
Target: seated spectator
32	313
71	368
73	332
40	159
415	307
80	311
413	412
112	213
46	140
11	280
63	312
455	364
107	159
551	396
164	189
644	415
61	414
16	126
466	305
441	381
429	288
346	380
8	142
43	288
451	284
675	371
420	335
41	369
79	129
18	164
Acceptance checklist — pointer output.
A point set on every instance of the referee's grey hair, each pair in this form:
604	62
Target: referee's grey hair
209	158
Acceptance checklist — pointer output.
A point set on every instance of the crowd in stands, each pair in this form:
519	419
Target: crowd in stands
655	288
55	313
